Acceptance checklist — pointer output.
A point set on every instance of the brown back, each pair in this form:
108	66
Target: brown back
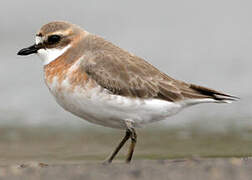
125	74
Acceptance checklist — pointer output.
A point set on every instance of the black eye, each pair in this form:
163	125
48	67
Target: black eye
53	39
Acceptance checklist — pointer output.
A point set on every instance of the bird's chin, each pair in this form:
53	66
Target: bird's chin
49	55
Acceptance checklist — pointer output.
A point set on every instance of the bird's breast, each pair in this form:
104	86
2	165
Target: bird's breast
67	81
79	94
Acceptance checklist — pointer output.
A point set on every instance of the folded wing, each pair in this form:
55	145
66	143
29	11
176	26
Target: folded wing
127	75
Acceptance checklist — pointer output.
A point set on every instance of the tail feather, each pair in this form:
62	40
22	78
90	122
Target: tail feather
216	95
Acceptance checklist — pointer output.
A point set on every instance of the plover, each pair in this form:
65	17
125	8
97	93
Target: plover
106	85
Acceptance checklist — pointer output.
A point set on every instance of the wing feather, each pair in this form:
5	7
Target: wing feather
125	74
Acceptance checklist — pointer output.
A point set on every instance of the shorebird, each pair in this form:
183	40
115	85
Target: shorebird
106	85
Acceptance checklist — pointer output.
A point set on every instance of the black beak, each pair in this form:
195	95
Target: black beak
30	50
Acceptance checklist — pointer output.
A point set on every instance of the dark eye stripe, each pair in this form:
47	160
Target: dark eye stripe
53	39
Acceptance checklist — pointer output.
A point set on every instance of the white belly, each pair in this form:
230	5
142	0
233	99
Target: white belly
100	107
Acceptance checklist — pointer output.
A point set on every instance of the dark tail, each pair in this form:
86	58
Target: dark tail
211	93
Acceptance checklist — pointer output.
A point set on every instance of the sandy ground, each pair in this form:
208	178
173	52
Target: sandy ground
193	169
160	154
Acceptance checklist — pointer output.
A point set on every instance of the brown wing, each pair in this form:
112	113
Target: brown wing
128	75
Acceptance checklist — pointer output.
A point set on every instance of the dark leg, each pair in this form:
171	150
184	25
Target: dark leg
114	153
132	145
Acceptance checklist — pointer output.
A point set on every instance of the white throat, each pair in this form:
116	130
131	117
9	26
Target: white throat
49	55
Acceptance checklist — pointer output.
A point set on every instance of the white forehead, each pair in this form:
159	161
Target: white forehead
38	39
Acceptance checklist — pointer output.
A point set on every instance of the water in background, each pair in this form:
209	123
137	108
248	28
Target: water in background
206	43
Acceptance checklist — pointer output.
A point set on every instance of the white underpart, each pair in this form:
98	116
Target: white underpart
100	107
49	55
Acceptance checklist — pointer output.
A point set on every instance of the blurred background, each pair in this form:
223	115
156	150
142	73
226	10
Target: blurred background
201	42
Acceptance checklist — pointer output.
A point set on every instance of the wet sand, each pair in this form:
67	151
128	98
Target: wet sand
160	154
190	169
